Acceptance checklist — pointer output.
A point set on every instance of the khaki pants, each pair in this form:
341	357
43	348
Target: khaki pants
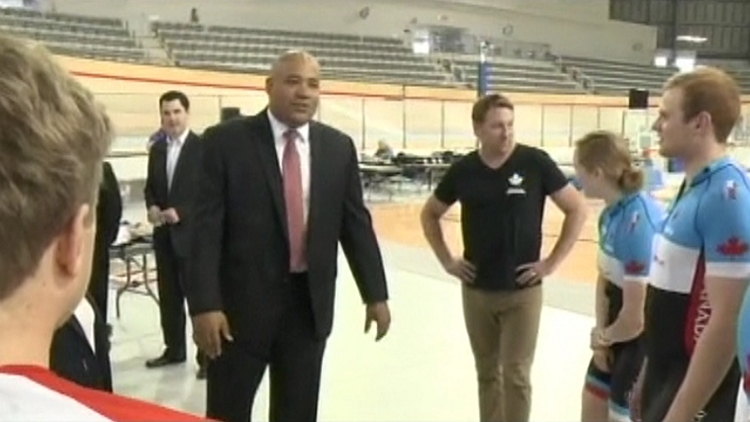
503	328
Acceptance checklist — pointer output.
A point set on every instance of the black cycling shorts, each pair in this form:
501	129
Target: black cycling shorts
625	364
663	380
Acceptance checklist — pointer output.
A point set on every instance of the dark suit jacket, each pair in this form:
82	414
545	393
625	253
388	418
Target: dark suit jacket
108	208
72	358
181	196
242	259
108	215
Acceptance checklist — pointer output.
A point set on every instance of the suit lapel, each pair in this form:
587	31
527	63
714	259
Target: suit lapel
317	171
270	162
78	328
160	148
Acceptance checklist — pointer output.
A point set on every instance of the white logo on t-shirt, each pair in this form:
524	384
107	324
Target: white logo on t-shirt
515	185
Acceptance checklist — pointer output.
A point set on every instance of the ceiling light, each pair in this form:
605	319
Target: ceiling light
692	38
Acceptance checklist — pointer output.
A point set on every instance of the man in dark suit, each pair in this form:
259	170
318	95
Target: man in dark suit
277	194
80	348
171	183
108	215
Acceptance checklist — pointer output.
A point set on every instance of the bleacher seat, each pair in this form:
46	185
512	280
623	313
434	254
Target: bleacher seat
522	75
342	56
94	37
347	57
743	79
612	77
616	78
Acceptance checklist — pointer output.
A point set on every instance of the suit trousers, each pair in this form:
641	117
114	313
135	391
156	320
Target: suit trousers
503	328
170	270
295	361
99	284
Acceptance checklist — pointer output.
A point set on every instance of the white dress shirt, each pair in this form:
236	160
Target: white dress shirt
86	317
174	147
303	148
742	412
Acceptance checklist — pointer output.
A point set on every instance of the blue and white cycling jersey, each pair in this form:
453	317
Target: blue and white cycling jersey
626	235
705	234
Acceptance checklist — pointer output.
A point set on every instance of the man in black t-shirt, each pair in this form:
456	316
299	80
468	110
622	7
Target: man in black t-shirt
502	189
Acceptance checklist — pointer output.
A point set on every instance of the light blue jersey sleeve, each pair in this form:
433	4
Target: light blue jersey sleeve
723	222
636	237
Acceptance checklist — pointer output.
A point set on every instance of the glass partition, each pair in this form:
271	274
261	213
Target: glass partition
410	124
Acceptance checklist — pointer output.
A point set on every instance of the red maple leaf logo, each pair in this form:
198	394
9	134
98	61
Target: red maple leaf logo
734	246
634	267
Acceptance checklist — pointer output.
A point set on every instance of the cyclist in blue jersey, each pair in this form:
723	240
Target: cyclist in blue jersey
701	263
627	226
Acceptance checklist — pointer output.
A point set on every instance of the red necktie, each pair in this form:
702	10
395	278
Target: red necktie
293	197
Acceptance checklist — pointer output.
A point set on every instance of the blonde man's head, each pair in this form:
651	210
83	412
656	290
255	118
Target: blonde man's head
709	90
53	138
697	113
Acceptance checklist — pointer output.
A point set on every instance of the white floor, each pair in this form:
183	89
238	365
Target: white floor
423	370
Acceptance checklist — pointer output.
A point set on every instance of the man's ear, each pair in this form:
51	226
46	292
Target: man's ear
71	243
703	120
597	172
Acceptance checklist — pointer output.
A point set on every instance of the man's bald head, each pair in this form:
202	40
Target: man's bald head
293	57
293	87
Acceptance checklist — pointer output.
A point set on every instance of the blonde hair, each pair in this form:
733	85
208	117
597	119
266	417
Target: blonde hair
53	138
609	153
713	91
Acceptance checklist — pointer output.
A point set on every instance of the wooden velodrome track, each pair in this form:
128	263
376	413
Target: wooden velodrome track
399	223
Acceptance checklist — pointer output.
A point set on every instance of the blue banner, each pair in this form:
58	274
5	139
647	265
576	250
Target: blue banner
483	76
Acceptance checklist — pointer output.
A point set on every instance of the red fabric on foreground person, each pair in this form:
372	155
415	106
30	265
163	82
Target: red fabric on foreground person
53	138
29	392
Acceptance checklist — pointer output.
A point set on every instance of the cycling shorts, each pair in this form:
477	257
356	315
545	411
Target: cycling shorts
663	380
614	386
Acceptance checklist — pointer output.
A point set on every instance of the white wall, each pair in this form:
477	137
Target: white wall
571	32
586	10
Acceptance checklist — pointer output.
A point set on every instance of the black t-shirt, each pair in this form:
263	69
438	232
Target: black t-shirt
501	211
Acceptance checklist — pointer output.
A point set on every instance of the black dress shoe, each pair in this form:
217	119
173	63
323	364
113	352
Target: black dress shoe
164	360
